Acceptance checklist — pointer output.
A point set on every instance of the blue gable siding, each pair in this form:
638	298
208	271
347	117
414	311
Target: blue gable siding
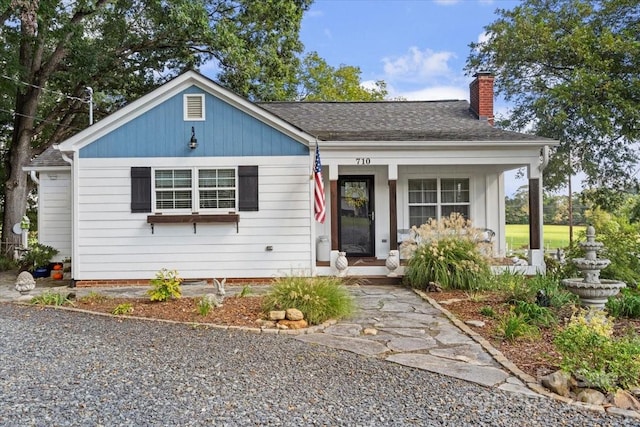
163	132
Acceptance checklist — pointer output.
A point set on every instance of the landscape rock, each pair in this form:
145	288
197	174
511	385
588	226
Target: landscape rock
263	323
558	382
293	314
591	396
277	315
370	331
477	323
293	324
625	400
25	282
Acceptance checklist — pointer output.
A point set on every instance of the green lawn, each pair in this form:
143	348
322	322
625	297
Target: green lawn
555	236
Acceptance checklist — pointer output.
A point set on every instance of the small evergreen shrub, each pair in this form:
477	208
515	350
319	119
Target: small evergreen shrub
590	352
245	291
165	285
625	304
488	312
318	298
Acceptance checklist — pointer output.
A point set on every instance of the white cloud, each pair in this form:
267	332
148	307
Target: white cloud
433	93
447	2
483	37
417	64
328	34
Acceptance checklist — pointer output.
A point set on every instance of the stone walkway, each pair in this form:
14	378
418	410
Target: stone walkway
392	323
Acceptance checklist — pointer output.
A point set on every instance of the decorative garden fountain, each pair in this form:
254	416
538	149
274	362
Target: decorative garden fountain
592	291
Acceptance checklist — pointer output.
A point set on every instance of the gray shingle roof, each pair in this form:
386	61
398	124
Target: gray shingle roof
391	121
48	158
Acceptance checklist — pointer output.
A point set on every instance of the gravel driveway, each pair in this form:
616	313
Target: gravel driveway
63	368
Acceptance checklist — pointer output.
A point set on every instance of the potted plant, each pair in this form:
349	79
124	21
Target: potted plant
37	260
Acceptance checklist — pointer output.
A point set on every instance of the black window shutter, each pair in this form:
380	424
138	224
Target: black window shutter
247	188
141	189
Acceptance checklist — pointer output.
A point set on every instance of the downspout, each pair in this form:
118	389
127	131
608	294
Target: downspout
545	158
67	159
34	177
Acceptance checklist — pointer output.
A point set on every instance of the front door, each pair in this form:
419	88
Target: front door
356	216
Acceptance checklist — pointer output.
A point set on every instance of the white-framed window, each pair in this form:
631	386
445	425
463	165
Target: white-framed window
437	198
193	107
195	189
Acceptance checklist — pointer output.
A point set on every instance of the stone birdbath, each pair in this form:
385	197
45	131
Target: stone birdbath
591	289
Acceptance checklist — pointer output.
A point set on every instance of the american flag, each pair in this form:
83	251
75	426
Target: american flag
320	209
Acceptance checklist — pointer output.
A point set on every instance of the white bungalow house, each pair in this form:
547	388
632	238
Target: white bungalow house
193	177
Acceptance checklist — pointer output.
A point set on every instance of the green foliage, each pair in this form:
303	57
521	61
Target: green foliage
165	285
513	284
204	306
38	255
488	311
50	298
550	284
322	82
512	327
534	314
318	298
452	262
621	247
124	308
450	252
7	263
573	84
590	352
245	291
625	304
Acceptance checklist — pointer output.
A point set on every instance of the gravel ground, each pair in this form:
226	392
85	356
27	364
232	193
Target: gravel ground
71	369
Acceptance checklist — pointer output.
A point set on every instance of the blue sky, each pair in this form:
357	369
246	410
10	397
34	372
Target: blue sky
419	48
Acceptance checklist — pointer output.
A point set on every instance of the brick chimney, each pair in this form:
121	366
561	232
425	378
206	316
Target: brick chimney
481	96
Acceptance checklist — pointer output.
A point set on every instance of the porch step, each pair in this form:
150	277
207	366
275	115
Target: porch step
375	280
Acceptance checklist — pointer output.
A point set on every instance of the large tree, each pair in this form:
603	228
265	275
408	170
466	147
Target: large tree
571	70
51	51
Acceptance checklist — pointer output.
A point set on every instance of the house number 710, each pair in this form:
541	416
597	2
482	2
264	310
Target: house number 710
363	161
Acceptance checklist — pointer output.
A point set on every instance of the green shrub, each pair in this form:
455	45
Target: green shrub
512	327
50	298
625	304
7	263
38	255
124	308
245	291
590	352
94	297
165	285
318	298
452	262
557	294
534	314
514	286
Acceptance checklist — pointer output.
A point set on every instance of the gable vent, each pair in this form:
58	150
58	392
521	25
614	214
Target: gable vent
194	107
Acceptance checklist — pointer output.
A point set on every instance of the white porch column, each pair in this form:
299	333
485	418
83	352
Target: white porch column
393	207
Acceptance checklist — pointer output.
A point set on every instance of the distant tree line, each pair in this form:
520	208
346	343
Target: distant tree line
555	208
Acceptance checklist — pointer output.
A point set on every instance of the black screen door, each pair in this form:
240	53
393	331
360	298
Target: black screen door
356	225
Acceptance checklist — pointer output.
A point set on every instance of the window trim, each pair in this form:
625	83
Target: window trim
195	191
439	203
185	103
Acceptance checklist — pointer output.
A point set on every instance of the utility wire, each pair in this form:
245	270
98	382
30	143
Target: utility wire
40	120
45	90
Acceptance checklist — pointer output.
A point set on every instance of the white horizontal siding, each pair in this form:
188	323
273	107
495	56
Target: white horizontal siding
114	243
54	212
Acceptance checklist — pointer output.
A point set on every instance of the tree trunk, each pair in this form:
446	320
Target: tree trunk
19	156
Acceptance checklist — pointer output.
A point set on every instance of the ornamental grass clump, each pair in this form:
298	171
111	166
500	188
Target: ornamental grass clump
591	353
448	252
318	298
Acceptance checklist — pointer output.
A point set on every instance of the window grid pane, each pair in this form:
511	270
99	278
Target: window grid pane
424	203
217	188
